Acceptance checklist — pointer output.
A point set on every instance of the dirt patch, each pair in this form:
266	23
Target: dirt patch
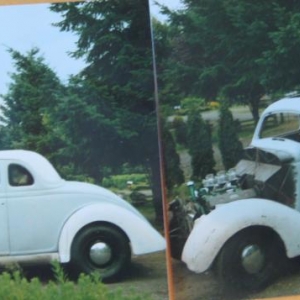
147	275
189	285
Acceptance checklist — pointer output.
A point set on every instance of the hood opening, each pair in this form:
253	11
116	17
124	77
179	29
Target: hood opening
271	177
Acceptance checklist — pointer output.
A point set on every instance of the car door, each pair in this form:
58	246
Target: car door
36	212
35	219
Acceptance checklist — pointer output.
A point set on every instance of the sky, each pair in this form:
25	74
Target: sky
23	27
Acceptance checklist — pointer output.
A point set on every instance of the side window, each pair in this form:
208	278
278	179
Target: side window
19	176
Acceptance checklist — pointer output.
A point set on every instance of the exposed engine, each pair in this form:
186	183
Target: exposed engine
259	174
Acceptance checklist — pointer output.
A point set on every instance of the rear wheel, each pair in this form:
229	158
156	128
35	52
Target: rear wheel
250	260
103	249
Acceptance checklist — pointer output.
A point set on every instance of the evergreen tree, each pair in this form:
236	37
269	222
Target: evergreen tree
114	39
229	144
174	175
224	48
180	129
29	104
200	145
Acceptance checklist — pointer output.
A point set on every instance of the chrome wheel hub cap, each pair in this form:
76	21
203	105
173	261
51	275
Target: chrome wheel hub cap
100	253
252	259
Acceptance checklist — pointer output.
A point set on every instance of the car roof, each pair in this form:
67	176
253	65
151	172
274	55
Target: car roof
285	104
19	154
36	161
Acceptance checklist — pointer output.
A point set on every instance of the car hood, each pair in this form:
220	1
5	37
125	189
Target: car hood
99	193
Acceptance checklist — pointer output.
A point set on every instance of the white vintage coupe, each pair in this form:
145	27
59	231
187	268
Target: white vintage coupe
250	223
45	218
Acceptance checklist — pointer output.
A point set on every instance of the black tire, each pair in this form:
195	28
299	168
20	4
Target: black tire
112	261
264	251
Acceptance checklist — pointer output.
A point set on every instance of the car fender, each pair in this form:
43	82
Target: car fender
210	232
142	236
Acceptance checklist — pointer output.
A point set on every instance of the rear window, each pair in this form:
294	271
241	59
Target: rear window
19	175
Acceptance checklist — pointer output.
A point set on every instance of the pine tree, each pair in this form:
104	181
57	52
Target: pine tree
229	144
200	145
114	39
33	94
174	175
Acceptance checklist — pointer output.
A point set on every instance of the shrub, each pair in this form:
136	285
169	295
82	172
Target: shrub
138	198
68	172
213	105
193	103
120	181
15	287
181	191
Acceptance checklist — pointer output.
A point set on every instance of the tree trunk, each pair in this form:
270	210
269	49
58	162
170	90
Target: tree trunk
254	108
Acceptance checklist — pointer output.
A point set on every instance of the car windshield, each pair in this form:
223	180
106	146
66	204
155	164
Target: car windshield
285	125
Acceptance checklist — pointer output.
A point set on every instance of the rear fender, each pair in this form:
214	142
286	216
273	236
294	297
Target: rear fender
142	236
211	231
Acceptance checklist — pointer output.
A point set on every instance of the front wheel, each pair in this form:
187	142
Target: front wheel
103	249
250	260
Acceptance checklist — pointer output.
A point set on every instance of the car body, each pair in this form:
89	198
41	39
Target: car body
250	223
45	218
